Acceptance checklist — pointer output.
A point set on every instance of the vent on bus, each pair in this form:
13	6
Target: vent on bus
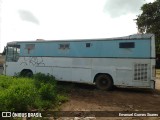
140	72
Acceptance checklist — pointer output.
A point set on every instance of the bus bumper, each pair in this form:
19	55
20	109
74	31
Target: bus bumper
153	84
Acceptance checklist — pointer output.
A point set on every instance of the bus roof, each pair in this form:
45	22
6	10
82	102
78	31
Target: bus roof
130	37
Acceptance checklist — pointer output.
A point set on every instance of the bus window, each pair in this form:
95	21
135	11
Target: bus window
12	54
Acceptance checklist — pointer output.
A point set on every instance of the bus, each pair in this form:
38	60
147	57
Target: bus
127	61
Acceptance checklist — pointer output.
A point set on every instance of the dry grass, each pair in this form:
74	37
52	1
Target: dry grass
157	71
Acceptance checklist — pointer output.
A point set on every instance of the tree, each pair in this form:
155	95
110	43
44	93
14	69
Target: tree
149	21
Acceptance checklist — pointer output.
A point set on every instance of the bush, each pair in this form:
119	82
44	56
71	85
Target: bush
16	94
42	78
22	94
47	92
46	86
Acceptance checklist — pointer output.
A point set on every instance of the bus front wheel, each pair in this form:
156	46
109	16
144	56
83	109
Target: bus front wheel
104	82
27	73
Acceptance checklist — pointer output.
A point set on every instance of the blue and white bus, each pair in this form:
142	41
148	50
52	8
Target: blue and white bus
124	61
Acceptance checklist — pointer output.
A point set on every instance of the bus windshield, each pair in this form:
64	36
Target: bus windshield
12	53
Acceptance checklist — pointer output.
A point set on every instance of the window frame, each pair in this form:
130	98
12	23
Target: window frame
127	45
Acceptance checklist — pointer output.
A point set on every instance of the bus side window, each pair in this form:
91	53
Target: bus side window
88	45
64	46
126	45
29	47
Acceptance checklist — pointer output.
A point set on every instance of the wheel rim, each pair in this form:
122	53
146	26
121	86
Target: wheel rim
104	82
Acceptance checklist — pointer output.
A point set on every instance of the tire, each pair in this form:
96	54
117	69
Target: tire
29	74
104	82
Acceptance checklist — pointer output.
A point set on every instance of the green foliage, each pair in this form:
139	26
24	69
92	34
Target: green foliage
22	94
46	86
149	21
42	78
47	92
62	98
16	94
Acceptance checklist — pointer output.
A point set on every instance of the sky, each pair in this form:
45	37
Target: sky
22	20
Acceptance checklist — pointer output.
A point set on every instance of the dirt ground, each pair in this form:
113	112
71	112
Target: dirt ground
88	98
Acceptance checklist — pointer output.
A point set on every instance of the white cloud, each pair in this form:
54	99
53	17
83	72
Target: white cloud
28	16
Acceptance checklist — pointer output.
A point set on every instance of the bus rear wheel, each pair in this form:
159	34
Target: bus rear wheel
104	82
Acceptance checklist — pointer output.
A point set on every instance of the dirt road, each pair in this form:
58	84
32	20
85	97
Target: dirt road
88	98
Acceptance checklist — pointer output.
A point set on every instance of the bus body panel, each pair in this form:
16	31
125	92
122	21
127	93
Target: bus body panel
121	70
107	48
130	62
